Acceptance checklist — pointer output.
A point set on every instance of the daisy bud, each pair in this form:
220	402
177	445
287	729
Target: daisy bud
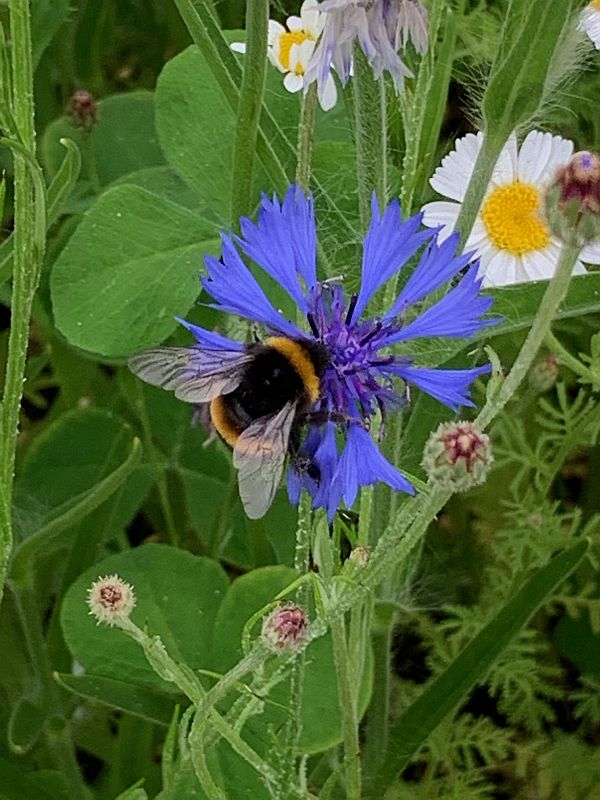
573	200
111	600
359	556
285	628
543	374
457	456
83	110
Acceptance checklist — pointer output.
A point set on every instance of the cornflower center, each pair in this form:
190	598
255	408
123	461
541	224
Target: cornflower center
511	215
286	40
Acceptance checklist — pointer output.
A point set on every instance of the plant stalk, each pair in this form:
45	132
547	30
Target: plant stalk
348	708
306	130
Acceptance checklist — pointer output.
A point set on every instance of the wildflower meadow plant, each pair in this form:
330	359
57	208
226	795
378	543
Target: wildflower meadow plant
299	424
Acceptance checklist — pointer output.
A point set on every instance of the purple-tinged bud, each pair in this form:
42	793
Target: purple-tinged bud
285	628
359	556
111	600
573	200
543	374
457	456
83	110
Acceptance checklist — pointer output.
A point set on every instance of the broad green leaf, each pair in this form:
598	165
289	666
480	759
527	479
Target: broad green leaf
321	720
123	140
164	182
140	701
27	720
447	691
46	18
178	595
19	783
131	266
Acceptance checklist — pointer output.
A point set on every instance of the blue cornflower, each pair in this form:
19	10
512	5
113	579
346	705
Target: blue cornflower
363	375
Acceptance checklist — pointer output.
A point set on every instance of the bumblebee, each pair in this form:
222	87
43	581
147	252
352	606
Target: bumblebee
259	398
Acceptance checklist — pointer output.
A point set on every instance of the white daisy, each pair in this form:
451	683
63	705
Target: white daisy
290	48
590	22
510	235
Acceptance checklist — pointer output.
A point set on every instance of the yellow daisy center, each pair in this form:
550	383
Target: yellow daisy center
286	40
595	4
512	219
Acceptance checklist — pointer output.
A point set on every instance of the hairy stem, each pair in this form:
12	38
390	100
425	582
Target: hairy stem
306	129
574	364
348	708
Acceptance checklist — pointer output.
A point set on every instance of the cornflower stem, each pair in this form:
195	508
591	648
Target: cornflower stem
379	708
249	107
480	178
306	130
370	131
554	295
348	708
574	364
28	254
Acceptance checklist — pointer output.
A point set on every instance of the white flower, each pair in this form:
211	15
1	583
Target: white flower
510	235
590	22
110	599
290	48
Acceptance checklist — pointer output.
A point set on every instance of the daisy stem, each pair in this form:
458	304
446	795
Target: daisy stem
249	107
480	179
29	245
554	295
370	131
306	130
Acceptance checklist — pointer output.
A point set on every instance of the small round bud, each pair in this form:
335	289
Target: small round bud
573	200
285	628
111	600
543	374
457	456
359	556
83	110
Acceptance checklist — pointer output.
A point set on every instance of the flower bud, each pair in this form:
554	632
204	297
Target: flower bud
573	200
457	456
83	110
359	556
285	628
111	600
543	374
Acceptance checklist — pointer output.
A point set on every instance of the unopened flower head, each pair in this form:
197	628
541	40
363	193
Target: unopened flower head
457	456
83	110
573	200
364	372
590	22
381	28
285	628
110	599
359	556
511	235
544	373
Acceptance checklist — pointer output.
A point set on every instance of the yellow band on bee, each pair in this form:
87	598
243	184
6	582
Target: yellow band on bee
300	361
221	419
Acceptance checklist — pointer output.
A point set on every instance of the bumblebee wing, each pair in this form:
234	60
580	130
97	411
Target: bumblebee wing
259	456
195	375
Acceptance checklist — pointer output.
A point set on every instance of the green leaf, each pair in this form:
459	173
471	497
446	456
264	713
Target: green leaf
25	725
450	688
164	182
16	783
178	595
140	701
321	719
46	18
130	267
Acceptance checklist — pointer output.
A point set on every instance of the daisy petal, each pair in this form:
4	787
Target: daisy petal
500	269
389	244
591	253
237	292
284	241
541	154
452	177
441	212
293	83
294	23
449	386
238	47
327	93
310	15
506	169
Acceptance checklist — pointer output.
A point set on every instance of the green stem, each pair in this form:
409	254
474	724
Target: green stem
379	709
28	254
249	107
574	364
482	173
554	295
348	708
306	130
370	127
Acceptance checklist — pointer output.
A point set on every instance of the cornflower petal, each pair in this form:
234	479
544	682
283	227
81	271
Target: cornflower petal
209	339
457	314
363	464
389	244
437	265
449	386
237	292
284	242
